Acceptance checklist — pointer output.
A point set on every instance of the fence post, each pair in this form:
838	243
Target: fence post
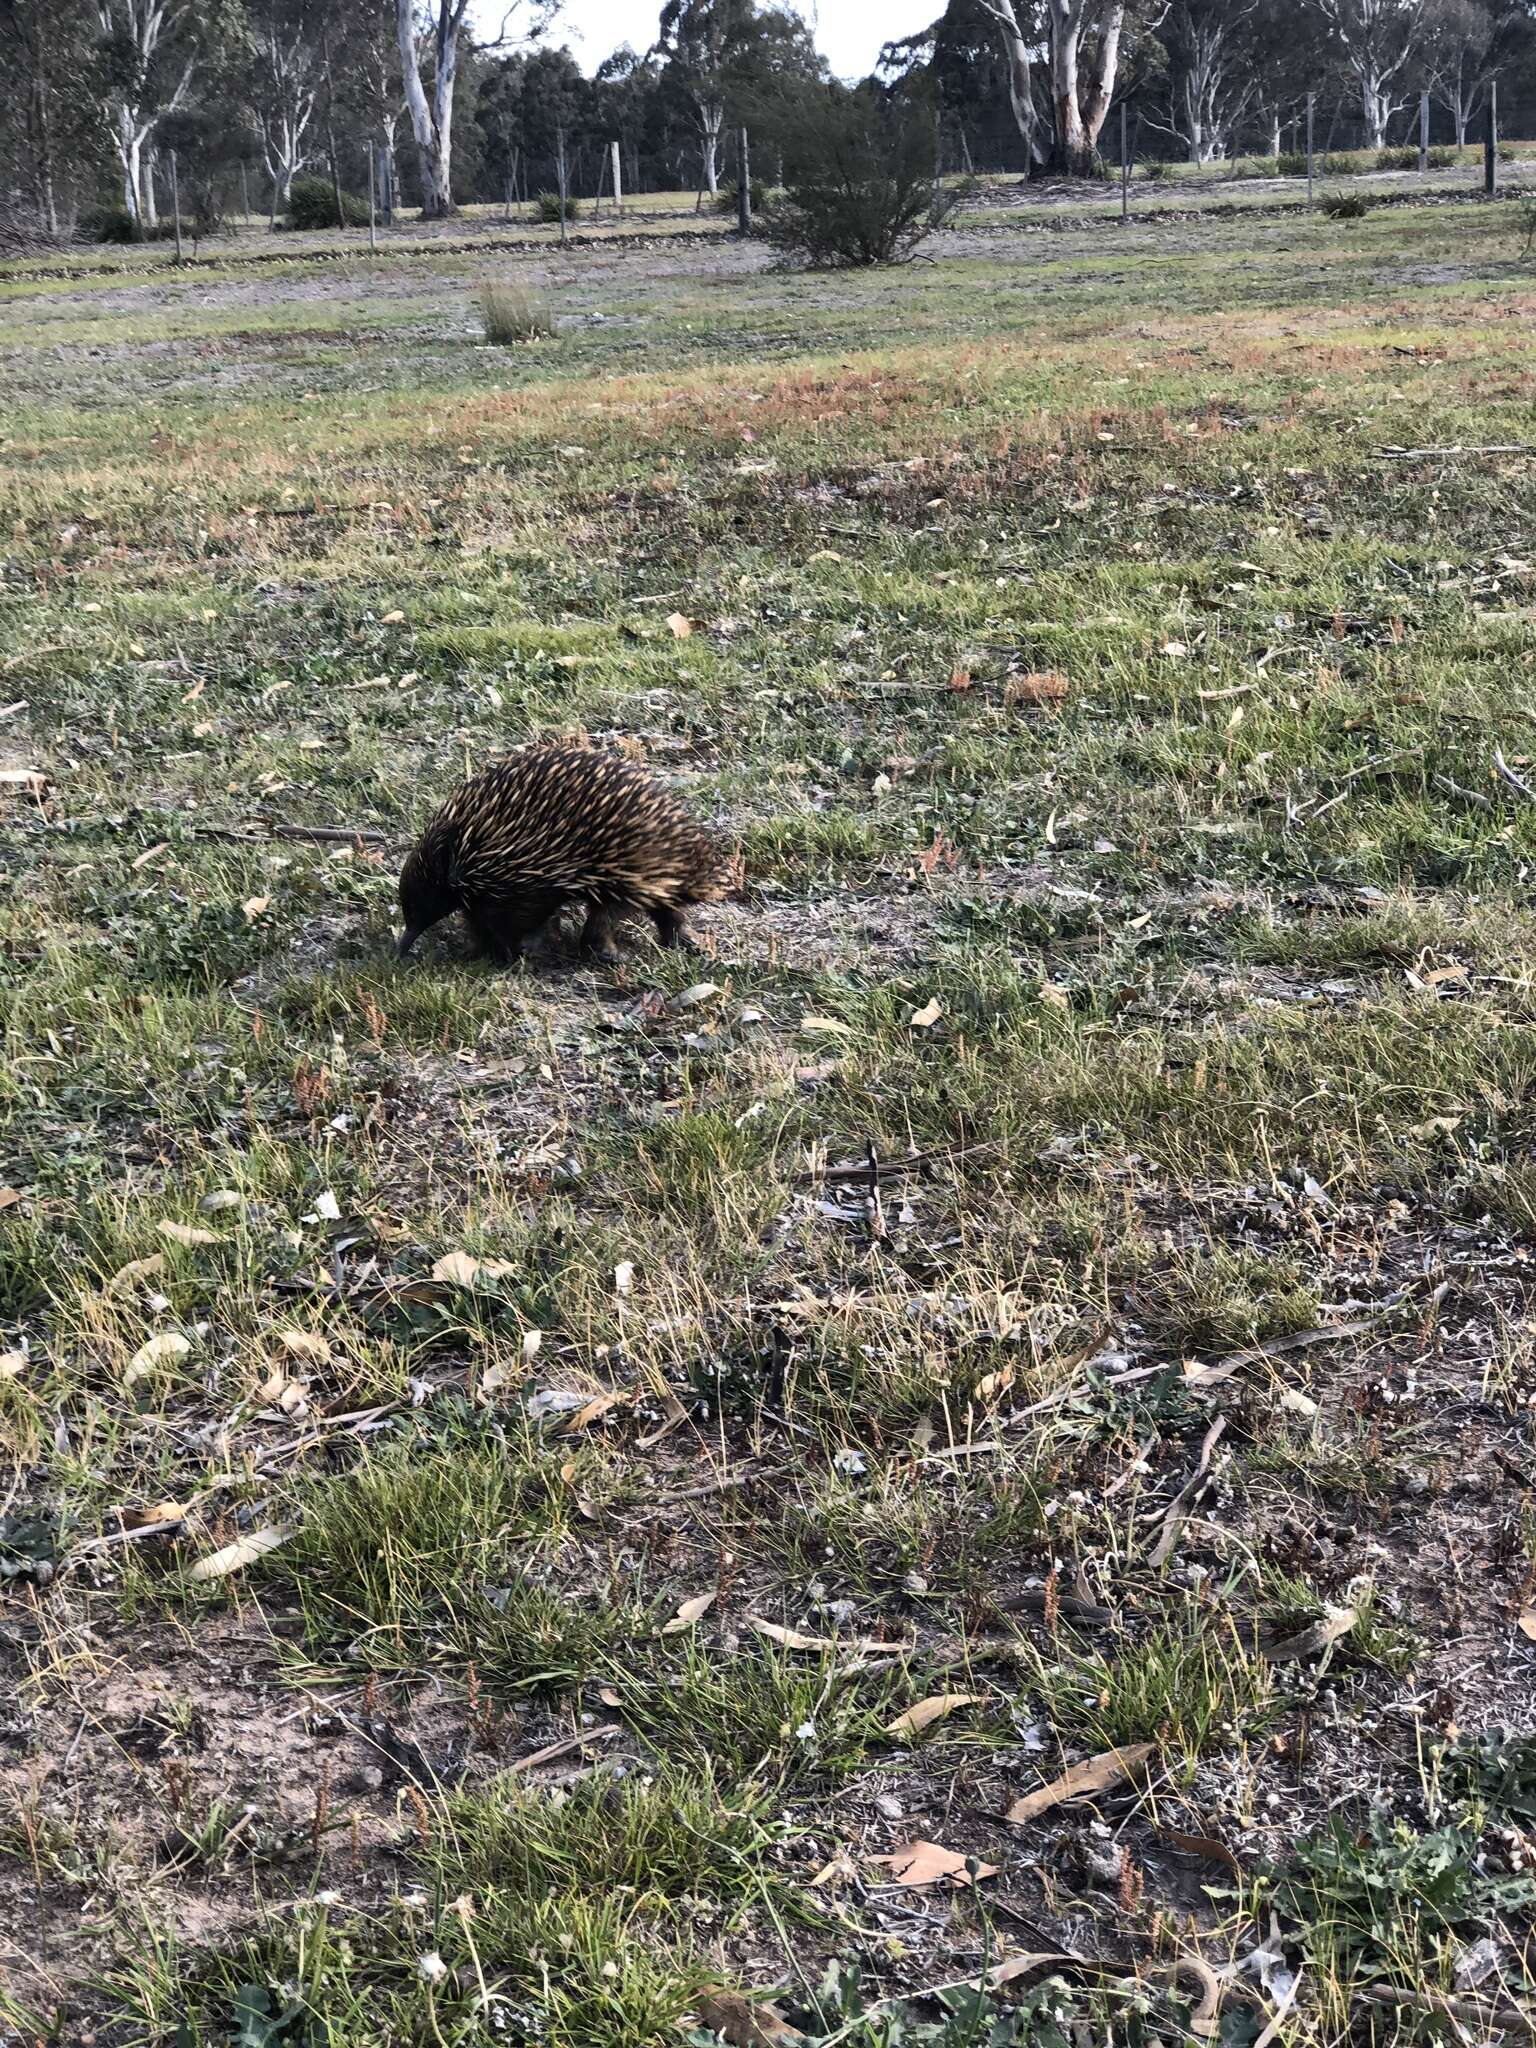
175	206
618	178
560	170
1423	132
1125	170
743	183
373	174
1490	143
1311	108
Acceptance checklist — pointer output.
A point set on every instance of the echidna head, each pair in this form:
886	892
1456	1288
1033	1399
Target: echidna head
427	892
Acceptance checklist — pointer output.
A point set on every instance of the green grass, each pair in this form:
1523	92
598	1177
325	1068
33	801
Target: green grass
1131	967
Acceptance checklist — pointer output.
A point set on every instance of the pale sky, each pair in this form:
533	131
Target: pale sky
849	33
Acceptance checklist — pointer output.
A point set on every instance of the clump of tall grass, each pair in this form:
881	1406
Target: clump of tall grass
511	313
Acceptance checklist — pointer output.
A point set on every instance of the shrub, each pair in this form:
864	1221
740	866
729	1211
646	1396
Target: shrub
1346	205
106	224
1397	159
862	186
511	314
1443	157
312	204
546	207
725	198
1292	163
116	224
1259	167
1339	164
1156	172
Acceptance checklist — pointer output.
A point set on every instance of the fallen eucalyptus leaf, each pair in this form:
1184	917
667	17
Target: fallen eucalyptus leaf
926	1712
921	1863
1094	1774
234	1557
691	1611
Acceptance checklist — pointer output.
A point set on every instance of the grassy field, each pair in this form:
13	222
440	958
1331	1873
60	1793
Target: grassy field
523	1487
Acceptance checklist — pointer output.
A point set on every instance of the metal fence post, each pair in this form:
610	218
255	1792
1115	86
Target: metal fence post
1125	169
1311	108
1490	143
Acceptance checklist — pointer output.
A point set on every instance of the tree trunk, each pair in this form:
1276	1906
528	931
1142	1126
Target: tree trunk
128	143
711	120
42	154
432	122
1379	111
1021	96
1081	103
149	210
1274	134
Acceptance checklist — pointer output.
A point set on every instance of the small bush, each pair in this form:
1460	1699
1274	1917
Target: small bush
1292	163
116	224
512	314
862	187
1339	164
1346	205
546	207
1260	167
1156	173
106	224
1397	159
725	198
312	204
1443	157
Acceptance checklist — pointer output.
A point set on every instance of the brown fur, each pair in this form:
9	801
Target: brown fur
554	825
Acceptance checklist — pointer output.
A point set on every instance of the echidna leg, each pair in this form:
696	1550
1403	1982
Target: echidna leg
597	938
672	928
492	941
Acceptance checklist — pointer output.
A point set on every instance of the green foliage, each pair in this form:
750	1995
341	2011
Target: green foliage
1443	157
115	224
1158	171
1291	163
1497	1769
1346	205
966	2016
312	205
860	186
1397	159
1376	1894
546	207
1340	164
728	197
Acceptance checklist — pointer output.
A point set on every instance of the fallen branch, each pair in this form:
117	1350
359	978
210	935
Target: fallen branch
1277	1347
270	828
554	1750
1457	448
1468	796
1507	774
882	1169
723	1483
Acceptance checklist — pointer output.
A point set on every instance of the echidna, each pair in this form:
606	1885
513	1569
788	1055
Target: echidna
557	824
